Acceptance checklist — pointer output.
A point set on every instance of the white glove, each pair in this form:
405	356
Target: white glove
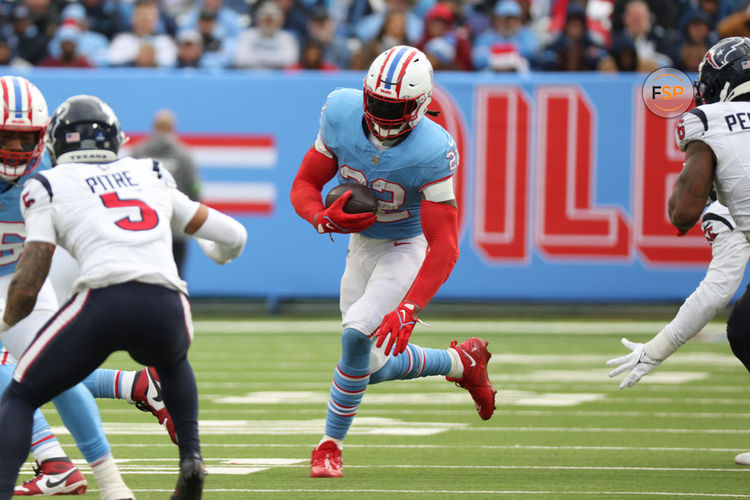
638	362
215	251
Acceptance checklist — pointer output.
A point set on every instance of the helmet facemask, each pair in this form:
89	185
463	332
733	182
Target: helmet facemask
14	164
388	117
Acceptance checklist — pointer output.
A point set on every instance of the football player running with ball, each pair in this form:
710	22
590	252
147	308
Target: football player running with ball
114	217
715	137
398	258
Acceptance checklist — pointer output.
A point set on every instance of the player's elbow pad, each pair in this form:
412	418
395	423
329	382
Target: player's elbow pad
227	236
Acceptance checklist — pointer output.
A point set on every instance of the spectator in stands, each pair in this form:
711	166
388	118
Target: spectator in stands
573	49
393	31
126	47
25	38
7	56
90	44
189	49
649	40
312	58
690	56
696	32
267	45
165	146
597	25
165	24
445	46
370	26
709	8
737	24
67	37
145	57
622	56
295	18
227	25
102	17
664	18
218	47
364	55
320	29
507	31
45	16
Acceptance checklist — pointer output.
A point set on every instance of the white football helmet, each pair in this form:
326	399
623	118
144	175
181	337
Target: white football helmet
397	91
23	110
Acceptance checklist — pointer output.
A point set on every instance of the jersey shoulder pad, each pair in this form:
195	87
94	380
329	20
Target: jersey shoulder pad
444	159
36	193
692	126
155	170
339	105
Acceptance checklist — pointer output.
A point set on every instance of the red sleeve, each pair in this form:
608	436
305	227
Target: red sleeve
440	227
314	172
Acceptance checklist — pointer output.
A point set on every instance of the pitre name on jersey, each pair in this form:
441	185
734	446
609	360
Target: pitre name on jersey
108	182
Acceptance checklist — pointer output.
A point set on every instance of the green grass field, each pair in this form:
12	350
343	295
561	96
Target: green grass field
562	429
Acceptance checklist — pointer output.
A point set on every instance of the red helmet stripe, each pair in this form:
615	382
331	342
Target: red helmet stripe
5	99
382	68
403	70
28	100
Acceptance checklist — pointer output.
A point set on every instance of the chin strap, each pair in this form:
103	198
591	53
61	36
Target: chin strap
432	113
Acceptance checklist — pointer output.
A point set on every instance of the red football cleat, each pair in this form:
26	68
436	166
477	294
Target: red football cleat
147	396
54	476
474	356
326	460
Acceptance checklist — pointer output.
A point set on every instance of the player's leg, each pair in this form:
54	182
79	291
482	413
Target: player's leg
55	472
141	388
161	337
738	329
64	353
351	374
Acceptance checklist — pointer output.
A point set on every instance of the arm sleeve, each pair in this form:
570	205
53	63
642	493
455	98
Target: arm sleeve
36	209
440	227
730	253
314	172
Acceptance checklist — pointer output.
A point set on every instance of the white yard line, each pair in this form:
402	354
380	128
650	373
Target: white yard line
468	492
437	446
450	326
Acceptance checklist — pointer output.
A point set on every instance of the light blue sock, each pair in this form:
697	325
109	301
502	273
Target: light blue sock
350	380
80	415
104	383
414	362
41	435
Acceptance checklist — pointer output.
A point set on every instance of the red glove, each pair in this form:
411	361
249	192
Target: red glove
399	324
334	220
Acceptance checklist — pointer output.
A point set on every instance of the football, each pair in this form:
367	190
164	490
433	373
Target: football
363	199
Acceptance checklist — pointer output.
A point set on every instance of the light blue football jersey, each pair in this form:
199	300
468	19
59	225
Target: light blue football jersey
398	174
12	229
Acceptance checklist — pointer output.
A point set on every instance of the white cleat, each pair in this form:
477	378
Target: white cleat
742	458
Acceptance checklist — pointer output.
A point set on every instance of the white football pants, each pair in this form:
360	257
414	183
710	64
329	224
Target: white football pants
377	276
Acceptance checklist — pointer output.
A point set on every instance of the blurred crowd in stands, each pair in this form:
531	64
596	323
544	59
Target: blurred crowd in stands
466	35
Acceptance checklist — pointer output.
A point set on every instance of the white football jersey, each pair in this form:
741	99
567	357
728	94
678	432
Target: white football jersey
114	218
725	127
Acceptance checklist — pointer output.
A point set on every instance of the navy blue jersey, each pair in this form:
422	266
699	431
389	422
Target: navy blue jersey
398	174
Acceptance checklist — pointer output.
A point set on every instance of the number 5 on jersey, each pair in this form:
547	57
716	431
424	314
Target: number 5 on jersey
149	218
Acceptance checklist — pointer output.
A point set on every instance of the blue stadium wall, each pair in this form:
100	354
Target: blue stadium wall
563	180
